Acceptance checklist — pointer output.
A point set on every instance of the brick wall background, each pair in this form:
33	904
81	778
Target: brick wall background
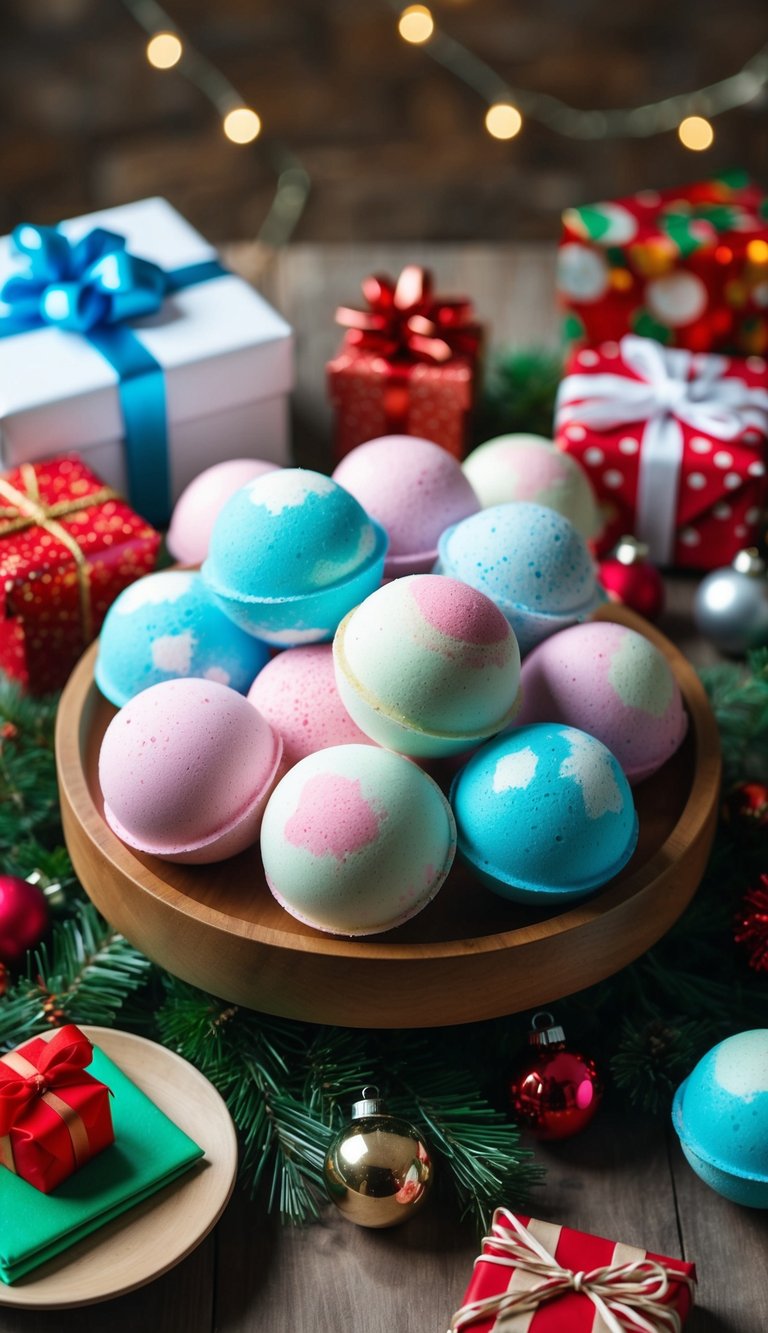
394	144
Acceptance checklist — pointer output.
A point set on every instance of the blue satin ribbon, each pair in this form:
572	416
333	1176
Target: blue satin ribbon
94	287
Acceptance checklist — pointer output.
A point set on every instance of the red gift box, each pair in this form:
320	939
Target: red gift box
408	365
54	1117
68	546
562	1281
688	267
673	443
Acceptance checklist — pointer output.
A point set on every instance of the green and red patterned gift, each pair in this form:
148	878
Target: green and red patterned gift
68	546
688	267
543	1278
408	365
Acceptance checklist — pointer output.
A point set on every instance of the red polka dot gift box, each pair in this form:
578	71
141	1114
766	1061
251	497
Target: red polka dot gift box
688	267
674	443
407	365
68	546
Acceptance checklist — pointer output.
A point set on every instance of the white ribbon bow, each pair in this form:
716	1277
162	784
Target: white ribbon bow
628	1297
672	386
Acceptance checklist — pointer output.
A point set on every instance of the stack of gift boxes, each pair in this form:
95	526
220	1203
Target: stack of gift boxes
665	396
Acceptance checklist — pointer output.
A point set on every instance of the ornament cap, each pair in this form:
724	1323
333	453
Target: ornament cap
370	1103
545	1031
749	562
630	551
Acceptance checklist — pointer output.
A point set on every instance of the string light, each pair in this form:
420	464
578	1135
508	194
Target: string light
164	50
242	125
696	133
503	121
416	24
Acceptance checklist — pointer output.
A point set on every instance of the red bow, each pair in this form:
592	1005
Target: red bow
61	1061
406	320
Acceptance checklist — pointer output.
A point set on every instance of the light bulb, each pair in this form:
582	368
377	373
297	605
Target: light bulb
242	125
696	133
164	50
416	24
503	121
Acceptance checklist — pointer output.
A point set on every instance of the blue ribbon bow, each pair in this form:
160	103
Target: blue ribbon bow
93	287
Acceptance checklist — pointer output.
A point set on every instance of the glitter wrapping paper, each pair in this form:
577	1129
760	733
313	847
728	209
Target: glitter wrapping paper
674	444
52	600
688	267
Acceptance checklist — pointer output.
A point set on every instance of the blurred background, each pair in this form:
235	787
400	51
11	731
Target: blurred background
394	144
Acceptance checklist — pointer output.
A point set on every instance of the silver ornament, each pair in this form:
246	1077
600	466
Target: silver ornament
731	605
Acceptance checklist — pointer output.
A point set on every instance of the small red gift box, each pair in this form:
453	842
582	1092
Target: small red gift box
53	1116
407	366
68	546
673	443
562	1281
688	267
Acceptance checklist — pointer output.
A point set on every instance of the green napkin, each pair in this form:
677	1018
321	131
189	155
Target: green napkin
148	1152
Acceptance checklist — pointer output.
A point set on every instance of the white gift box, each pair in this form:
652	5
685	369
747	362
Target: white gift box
226	356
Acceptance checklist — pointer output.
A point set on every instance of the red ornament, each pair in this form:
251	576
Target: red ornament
23	917
554	1091
752	925
745	809
629	577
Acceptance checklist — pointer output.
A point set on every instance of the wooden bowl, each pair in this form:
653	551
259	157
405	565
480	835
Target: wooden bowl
468	956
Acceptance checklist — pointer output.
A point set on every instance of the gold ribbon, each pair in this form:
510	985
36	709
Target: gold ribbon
78	1133
29	510
627	1295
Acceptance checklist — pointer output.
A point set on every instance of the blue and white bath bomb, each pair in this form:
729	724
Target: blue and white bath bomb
544	814
166	626
530	561
720	1113
291	554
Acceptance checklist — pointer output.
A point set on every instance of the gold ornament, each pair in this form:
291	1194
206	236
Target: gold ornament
378	1168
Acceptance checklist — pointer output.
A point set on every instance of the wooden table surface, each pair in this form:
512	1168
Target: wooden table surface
624	1177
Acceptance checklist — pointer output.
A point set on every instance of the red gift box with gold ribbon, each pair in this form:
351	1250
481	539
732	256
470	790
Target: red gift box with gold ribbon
408	365
54	1117
68	546
537	1277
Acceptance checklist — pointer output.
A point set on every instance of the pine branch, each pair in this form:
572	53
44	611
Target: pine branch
652	1060
519	393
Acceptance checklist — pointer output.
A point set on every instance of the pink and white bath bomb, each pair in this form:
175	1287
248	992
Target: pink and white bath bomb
199	505
614	684
296	692
185	769
414	489
529	467
356	840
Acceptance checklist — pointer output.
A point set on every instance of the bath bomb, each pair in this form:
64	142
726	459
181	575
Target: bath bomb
544	814
414	489
290	554
185	769
356	840
615	684
296	692
531	468
532	563
199	504
165	626
720	1113
427	666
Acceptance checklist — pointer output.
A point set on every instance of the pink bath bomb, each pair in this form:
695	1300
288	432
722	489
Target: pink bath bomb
612	683
296	692
186	768
414	489
198	507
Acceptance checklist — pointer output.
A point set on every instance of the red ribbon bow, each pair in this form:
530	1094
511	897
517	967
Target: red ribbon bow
406	320
61	1061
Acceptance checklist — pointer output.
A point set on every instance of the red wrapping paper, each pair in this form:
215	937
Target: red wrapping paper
408	365
42	1144
577	1252
52	602
719	493
686	266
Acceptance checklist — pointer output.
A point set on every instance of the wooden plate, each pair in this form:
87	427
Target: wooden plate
469	955
158	1233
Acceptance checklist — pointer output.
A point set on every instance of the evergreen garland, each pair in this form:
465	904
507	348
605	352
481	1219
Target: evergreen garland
289	1085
